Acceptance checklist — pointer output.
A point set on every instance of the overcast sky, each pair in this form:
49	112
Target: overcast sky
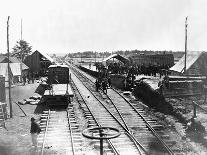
63	26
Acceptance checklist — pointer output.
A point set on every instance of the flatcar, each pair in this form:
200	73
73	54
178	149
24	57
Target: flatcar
177	86
58	90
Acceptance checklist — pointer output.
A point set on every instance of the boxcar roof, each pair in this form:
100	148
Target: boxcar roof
54	66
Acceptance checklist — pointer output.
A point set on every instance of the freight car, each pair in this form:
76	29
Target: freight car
58	90
152	59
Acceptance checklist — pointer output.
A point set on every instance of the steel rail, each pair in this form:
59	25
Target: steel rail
128	132
148	125
98	124
125	127
45	133
196	104
71	134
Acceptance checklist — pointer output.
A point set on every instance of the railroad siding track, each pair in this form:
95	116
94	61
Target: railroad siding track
142	131
60	133
123	143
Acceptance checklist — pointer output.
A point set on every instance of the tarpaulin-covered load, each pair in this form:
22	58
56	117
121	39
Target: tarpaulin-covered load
116	56
196	64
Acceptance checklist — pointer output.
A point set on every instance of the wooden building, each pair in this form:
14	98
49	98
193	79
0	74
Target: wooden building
17	68
38	62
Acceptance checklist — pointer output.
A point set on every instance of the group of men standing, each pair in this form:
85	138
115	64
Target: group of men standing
103	83
145	69
28	78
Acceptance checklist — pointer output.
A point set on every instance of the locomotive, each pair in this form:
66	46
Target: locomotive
58	90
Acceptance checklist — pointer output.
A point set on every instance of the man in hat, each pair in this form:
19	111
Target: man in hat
34	130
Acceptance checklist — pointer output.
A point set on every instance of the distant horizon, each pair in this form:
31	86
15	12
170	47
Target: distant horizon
62	53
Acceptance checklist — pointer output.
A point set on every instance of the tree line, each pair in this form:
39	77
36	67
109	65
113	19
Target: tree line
93	54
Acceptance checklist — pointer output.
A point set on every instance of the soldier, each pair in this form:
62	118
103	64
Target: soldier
34	130
24	79
104	86
109	81
166	80
97	85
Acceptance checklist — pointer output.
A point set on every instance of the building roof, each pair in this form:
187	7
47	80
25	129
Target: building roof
117	56
45	55
14	60
58	65
4	59
191	58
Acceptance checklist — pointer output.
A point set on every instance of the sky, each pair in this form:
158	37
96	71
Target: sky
68	26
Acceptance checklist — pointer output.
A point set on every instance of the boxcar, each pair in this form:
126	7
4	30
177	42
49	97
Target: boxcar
153	59
59	91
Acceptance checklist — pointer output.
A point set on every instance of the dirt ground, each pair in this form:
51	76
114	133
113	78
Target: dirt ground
15	139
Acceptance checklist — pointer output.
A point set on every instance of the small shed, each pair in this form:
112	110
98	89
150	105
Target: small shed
196	64
38	62
15	66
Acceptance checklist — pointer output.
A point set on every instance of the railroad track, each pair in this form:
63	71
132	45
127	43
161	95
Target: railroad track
60	133
124	144
142	128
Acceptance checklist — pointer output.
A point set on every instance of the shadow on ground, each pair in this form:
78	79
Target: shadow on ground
198	138
40	108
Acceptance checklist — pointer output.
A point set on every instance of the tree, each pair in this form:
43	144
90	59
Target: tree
21	49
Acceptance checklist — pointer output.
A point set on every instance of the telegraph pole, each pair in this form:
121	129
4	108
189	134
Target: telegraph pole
21	61
9	79
21	29
186	26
